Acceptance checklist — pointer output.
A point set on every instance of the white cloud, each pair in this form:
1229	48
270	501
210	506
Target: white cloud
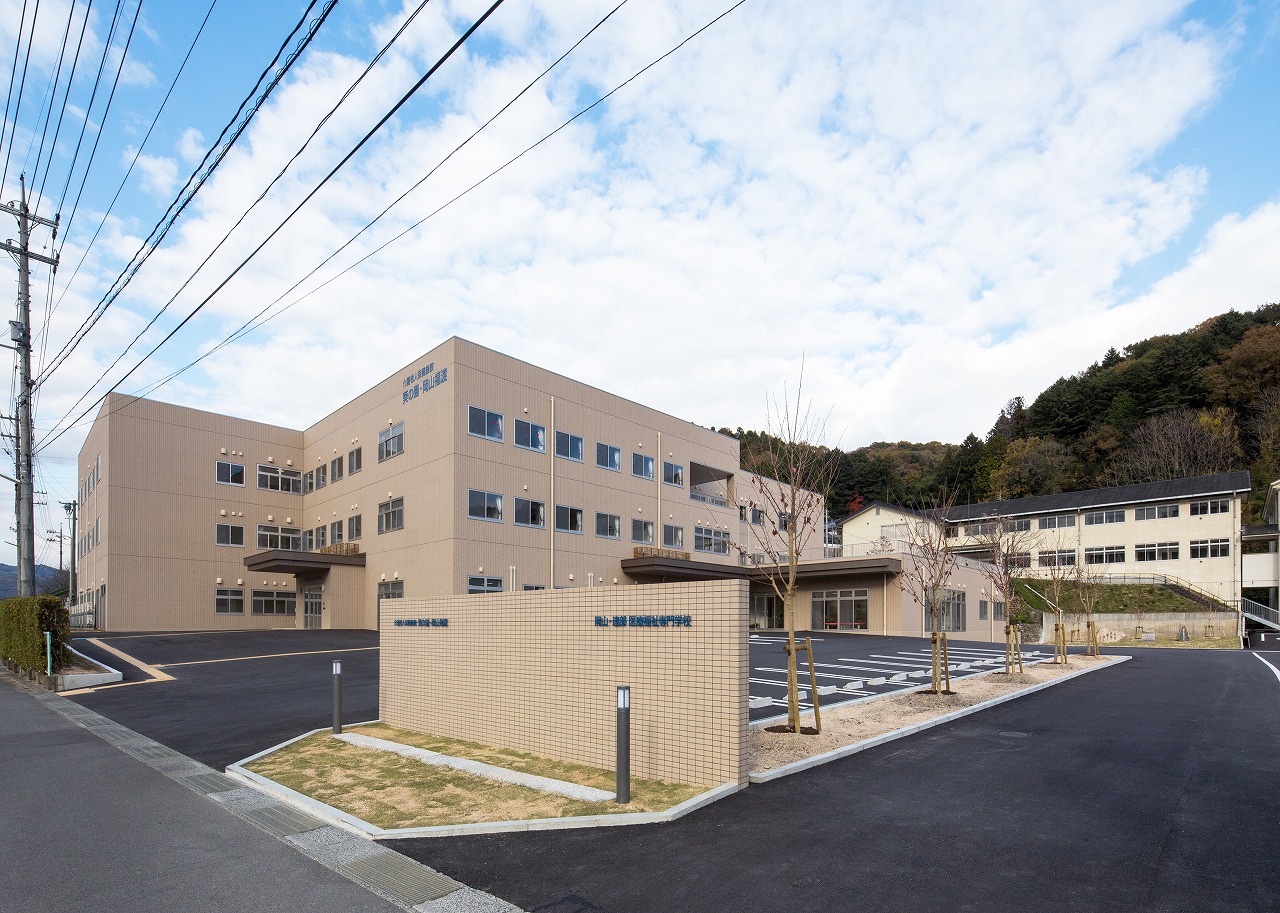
159	174
934	204
191	146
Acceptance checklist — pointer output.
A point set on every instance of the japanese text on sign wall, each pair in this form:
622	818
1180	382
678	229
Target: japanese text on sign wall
423	380
644	621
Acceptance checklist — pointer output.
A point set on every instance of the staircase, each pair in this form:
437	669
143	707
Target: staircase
1262	614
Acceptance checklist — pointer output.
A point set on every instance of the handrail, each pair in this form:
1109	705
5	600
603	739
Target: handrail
1260	613
1169	580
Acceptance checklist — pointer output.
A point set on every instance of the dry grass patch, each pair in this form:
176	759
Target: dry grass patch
391	791
1230	642
845	725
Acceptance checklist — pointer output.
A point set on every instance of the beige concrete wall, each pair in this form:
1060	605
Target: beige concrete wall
1165	625
967	577
533	671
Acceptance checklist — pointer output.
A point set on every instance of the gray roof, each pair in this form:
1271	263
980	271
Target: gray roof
1224	483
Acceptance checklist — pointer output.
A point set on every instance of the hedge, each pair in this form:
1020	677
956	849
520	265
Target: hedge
23	621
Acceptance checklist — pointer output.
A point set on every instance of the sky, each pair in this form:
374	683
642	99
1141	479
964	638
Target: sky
929	208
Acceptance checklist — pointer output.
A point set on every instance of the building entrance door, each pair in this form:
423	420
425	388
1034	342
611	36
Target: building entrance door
312	606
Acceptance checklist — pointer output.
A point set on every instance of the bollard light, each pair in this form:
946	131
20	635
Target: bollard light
623	787
337	697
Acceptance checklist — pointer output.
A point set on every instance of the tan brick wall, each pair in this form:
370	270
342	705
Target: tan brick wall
533	671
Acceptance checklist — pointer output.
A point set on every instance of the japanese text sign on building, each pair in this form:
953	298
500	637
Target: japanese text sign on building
422	380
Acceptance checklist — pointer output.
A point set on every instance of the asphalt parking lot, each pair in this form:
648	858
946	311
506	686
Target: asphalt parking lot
235	693
852	667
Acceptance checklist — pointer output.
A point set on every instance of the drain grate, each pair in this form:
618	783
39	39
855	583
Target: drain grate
399	877
116	735
282	820
209	783
154	751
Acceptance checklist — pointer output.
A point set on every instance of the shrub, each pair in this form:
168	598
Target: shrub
23	621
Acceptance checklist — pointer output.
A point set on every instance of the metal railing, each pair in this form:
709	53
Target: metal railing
1260	613
1228	605
708	499
84	619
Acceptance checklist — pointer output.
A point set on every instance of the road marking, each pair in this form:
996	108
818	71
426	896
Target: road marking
236	659
191	633
153	671
1273	669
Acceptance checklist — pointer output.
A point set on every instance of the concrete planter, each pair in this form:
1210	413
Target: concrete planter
72	680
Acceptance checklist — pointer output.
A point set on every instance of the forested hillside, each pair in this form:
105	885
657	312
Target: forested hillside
1199	402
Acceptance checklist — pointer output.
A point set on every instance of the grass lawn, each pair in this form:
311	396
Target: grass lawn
1114	598
1231	642
392	791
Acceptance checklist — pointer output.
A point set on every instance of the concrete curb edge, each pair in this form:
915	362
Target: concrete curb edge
844	751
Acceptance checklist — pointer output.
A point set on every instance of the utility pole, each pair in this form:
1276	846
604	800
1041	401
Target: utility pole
20	334
59	536
72	592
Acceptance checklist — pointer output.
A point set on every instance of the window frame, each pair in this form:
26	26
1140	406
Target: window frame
486	588
676	473
391	442
528	505
644	462
355	527
581	515
1210	506
392	511
231	528
616	520
231	467
570	440
645	528
355	460
231	595
390	589
1156	512
335	469
612	455
673	541
489	501
1201	549
488	415
710	541
1057	521
528	429
281	475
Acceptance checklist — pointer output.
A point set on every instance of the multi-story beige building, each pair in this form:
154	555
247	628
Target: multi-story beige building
466	472
1183	530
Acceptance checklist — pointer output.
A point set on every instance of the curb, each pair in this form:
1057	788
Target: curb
795	767
359	826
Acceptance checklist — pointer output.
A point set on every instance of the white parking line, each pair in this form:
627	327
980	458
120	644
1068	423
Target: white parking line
1273	669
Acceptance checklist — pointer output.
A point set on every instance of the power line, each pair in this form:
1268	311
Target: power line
193	184
129	171
71	78
52	92
13	73
250	326
261	196
22	85
346	158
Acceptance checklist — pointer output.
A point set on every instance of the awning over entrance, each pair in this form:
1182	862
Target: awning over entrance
652	569
286	561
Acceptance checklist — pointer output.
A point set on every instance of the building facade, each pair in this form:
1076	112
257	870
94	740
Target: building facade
466	472
1184	530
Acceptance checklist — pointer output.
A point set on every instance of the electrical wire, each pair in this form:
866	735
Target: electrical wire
52	92
71	78
13	73
261	196
193	184
128	171
22	85
404	99
52	436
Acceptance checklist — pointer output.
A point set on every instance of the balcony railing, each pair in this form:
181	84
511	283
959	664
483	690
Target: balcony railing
708	499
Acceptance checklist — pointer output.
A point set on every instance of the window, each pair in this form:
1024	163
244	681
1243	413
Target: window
642	531
335	469
268	602
484	584
839	610
608	526
1156	551
672	536
998	612
642	466
483	423
391	441
228	602
1210	548
1060	521
321	535
391	589
531	437
230	535
322	473
308	540
1098	517
279	537
1155	512
530	513
355	461
1017	526
784	521
308	483
984	528
742	513
1200	508
484	505
568	446
1111	554
951	611
353	528
952	530
568	519
982	610
531	587
1058	558
391	515
673	474
230	474
608	457
1019	559
335	532
757	516
273	478
715	541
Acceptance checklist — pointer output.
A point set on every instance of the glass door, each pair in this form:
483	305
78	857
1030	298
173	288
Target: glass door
312	607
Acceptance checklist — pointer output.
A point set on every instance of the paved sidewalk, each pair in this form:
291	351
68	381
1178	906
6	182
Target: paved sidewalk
96	817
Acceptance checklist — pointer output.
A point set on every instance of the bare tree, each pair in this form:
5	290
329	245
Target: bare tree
1089	588
928	566
792	472
1007	542
1180	444
1058	571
